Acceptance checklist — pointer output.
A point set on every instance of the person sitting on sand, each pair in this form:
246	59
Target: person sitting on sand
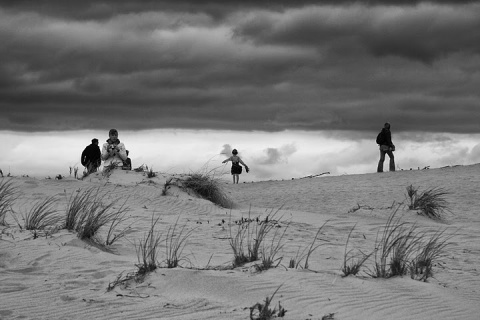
236	167
386	147
113	151
90	158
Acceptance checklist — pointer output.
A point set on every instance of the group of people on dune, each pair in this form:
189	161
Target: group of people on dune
114	154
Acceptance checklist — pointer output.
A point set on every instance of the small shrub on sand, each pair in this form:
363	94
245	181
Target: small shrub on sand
431	250
404	249
262	311
166	186
249	236
208	188
86	214
8	194
269	252
147	251
151	173
394	249
175	243
430	203
77	204
351	264
43	215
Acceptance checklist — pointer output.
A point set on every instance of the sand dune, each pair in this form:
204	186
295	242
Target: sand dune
58	276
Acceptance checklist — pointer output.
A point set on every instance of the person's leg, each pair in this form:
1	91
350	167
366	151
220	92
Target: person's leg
233	176
392	160
380	162
237	177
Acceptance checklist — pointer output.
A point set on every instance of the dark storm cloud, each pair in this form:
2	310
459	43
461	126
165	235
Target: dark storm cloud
249	65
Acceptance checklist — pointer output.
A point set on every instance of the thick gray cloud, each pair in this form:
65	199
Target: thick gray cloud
249	65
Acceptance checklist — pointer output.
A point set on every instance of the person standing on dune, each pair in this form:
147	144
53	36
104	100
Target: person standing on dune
236	167
384	140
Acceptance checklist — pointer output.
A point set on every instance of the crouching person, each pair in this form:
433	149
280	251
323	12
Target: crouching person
113	151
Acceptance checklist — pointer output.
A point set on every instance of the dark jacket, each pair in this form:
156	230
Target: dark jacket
91	155
387	138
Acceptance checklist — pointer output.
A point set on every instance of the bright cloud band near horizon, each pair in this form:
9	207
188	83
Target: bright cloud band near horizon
270	156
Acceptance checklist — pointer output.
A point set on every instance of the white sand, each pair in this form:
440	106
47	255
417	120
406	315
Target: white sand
62	277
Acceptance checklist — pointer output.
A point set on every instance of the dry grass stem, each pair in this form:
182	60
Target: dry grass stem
8	195
43	215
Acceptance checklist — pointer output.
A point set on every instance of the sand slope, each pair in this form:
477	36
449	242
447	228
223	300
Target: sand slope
61	277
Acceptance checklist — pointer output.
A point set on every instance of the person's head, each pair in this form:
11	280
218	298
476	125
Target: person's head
387	125
95	141
113	134
234	152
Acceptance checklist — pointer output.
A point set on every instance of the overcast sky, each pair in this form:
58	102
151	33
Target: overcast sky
337	67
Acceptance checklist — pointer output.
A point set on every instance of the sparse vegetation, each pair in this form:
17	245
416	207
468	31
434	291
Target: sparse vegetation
249	237
166	186
296	262
403	249
431	249
151	173
352	264
430	203
86	214
262	311
175	243
147	252
43	215
269	253
8	194
208	188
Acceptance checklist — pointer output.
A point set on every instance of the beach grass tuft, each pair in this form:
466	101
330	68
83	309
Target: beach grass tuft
147	251
175	242
431	250
43	215
8	195
249	237
352	264
86	213
263	311
269	252
208	187
404	249
305	254
430	203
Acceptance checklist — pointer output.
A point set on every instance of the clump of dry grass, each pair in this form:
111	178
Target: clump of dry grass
86	214
430	203
269	252
175	243
351	264
404	249
305	254
147	252
43	215
249	236
431	250
262	311
107	170
207	187
8	194
151	173
394	249
166	186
